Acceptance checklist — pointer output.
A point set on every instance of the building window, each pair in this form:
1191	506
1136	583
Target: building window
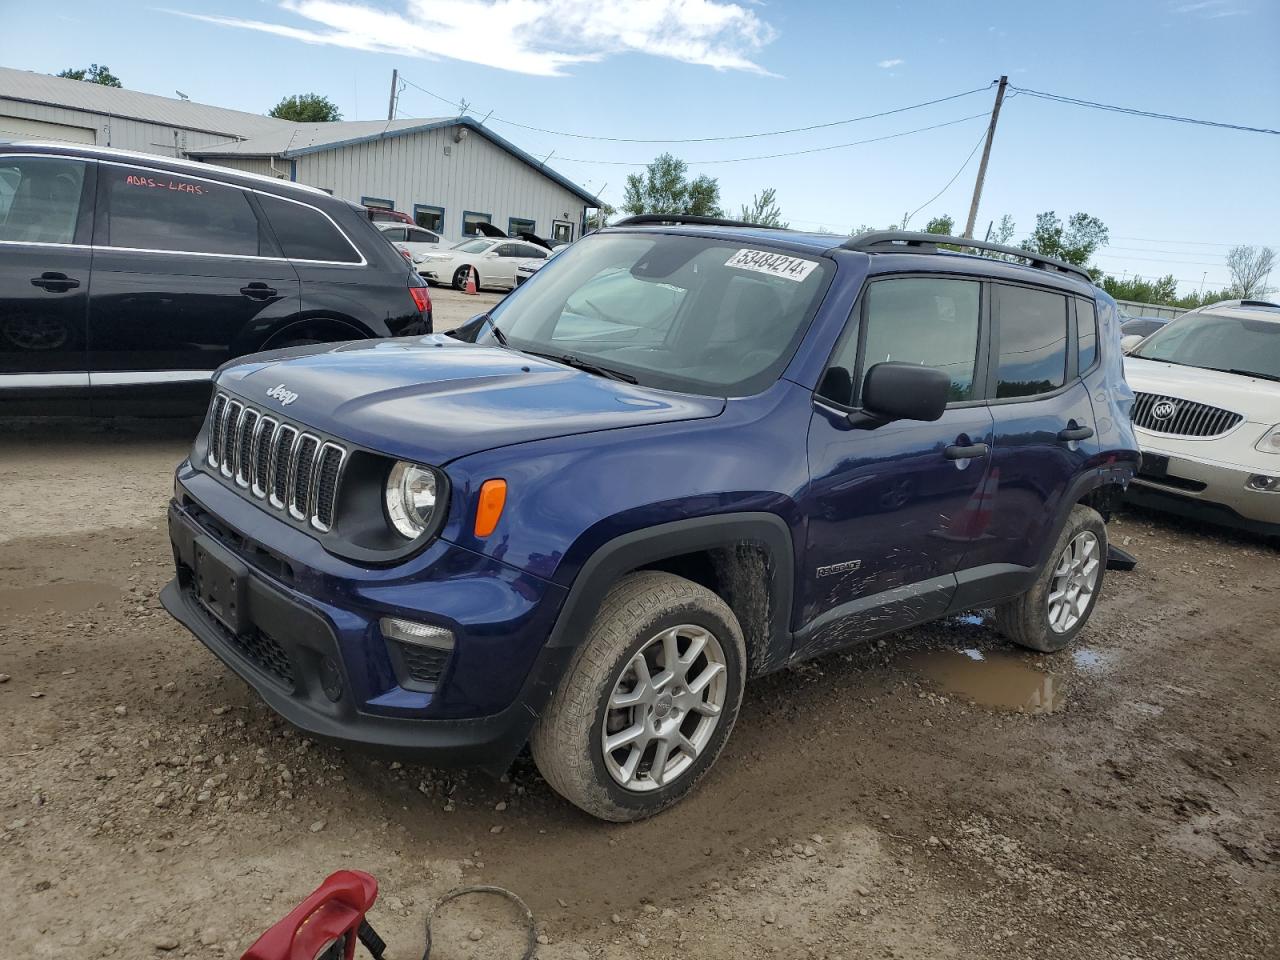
429	217
519	225
562	231
469	221
377	203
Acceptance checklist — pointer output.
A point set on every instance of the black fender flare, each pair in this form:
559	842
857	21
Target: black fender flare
647	546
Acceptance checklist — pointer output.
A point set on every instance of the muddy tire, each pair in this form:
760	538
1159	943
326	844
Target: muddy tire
1050	615
648	700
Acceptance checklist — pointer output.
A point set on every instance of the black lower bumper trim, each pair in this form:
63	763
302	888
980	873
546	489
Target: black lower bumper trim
1195	509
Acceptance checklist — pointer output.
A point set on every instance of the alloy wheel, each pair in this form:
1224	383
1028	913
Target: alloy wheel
664	708
1075	578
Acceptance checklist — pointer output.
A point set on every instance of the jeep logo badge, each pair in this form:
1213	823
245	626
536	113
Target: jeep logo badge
1164	410
285	396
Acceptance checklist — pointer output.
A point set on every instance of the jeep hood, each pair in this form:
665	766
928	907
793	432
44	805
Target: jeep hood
1255	398
434	399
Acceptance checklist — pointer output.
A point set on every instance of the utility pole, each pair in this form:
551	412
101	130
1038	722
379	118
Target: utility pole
986	155
395	95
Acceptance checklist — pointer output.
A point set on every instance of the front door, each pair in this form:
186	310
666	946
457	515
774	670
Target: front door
892	510
185	275
46	222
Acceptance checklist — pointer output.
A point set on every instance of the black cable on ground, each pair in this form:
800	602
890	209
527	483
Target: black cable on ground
532	944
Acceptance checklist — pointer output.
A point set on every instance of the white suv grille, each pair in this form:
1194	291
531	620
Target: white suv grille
1181	418
273	461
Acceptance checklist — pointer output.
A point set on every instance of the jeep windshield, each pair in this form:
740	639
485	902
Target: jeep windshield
717	317
1215	341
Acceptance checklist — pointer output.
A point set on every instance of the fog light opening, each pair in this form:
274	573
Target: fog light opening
1261	483
418	634
330	679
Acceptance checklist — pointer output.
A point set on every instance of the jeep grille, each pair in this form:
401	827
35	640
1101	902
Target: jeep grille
1188	418
269	460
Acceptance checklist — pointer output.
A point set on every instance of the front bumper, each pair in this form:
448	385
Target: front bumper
1193	485
300	627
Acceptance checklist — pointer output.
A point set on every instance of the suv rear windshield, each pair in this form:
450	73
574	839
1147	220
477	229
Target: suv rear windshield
683	313
1218	341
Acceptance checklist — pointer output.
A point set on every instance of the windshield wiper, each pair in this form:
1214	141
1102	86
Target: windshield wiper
1254	373
586	366
495	330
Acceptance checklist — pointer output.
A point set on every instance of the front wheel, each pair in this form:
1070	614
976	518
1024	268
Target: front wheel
1050	615
460	278
648	700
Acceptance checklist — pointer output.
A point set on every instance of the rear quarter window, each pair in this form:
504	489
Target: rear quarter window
305	233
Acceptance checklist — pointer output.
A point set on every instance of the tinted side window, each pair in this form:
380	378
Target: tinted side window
532	252
153	210
913	320
40	199
307	234
423	236
395	234
1087	333
1033	341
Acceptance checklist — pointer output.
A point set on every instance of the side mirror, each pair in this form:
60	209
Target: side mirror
1132	340
902	391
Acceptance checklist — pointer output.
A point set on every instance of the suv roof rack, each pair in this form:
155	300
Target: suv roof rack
1258	303
901	241
663	219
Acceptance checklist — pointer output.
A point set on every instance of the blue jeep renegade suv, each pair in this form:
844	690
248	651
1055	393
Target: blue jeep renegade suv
684	454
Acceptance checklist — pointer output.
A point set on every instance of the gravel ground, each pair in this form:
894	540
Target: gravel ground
1123	801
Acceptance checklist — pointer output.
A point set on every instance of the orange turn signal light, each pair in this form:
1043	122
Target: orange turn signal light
493	497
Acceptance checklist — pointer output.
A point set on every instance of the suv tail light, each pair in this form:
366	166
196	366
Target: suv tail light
421	299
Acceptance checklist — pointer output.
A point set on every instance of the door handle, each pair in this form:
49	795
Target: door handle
1075	433
258	291
966	451
55	282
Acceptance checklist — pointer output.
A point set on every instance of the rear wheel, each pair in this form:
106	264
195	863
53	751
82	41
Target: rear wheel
1050	615
648	701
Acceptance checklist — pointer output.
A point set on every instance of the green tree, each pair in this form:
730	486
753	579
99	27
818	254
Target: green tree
602	216
1076	241
665	187
944	225
1161	290
306	108
93	74
764	210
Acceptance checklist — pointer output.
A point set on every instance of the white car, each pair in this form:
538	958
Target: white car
418	241
1207	415
494	259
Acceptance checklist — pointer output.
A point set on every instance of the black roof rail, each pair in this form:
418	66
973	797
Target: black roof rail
1258	303
670	219
901	241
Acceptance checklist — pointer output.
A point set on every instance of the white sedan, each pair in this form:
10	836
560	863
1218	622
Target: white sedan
418	241
1208	402
494	259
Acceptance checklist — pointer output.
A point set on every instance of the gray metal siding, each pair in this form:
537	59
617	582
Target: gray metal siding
258	165
115	131
476	176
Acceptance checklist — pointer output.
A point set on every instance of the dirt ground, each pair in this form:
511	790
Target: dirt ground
936	795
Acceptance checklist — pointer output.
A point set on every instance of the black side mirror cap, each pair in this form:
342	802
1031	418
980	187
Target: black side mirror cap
901	391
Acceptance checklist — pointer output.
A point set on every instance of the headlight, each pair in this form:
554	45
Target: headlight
1270	442
411	498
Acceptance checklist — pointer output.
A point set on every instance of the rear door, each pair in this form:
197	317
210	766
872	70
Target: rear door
1044	433
187	277
46	223
892	511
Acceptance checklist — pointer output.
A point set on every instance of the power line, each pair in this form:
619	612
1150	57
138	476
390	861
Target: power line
790	153
1133	111
953	179
736	136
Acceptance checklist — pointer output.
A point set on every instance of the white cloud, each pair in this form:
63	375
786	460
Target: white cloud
1211	9
541	37
889	64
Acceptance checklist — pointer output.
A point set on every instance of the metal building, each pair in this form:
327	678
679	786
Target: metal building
447	173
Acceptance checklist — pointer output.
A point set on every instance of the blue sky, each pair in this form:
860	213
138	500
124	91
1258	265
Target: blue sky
1174	195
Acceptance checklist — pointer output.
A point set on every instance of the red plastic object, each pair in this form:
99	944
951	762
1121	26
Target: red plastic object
335	910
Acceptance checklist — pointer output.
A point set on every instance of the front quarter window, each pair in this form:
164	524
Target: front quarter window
699	315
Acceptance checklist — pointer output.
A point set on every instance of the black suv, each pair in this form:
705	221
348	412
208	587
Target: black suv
125	276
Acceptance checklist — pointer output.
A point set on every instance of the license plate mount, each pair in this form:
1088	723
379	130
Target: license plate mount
221	584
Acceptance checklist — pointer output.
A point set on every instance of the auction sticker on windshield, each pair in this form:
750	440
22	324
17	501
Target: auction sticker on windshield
774	264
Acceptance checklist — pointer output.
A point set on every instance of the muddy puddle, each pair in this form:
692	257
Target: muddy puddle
1000	679
65	596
